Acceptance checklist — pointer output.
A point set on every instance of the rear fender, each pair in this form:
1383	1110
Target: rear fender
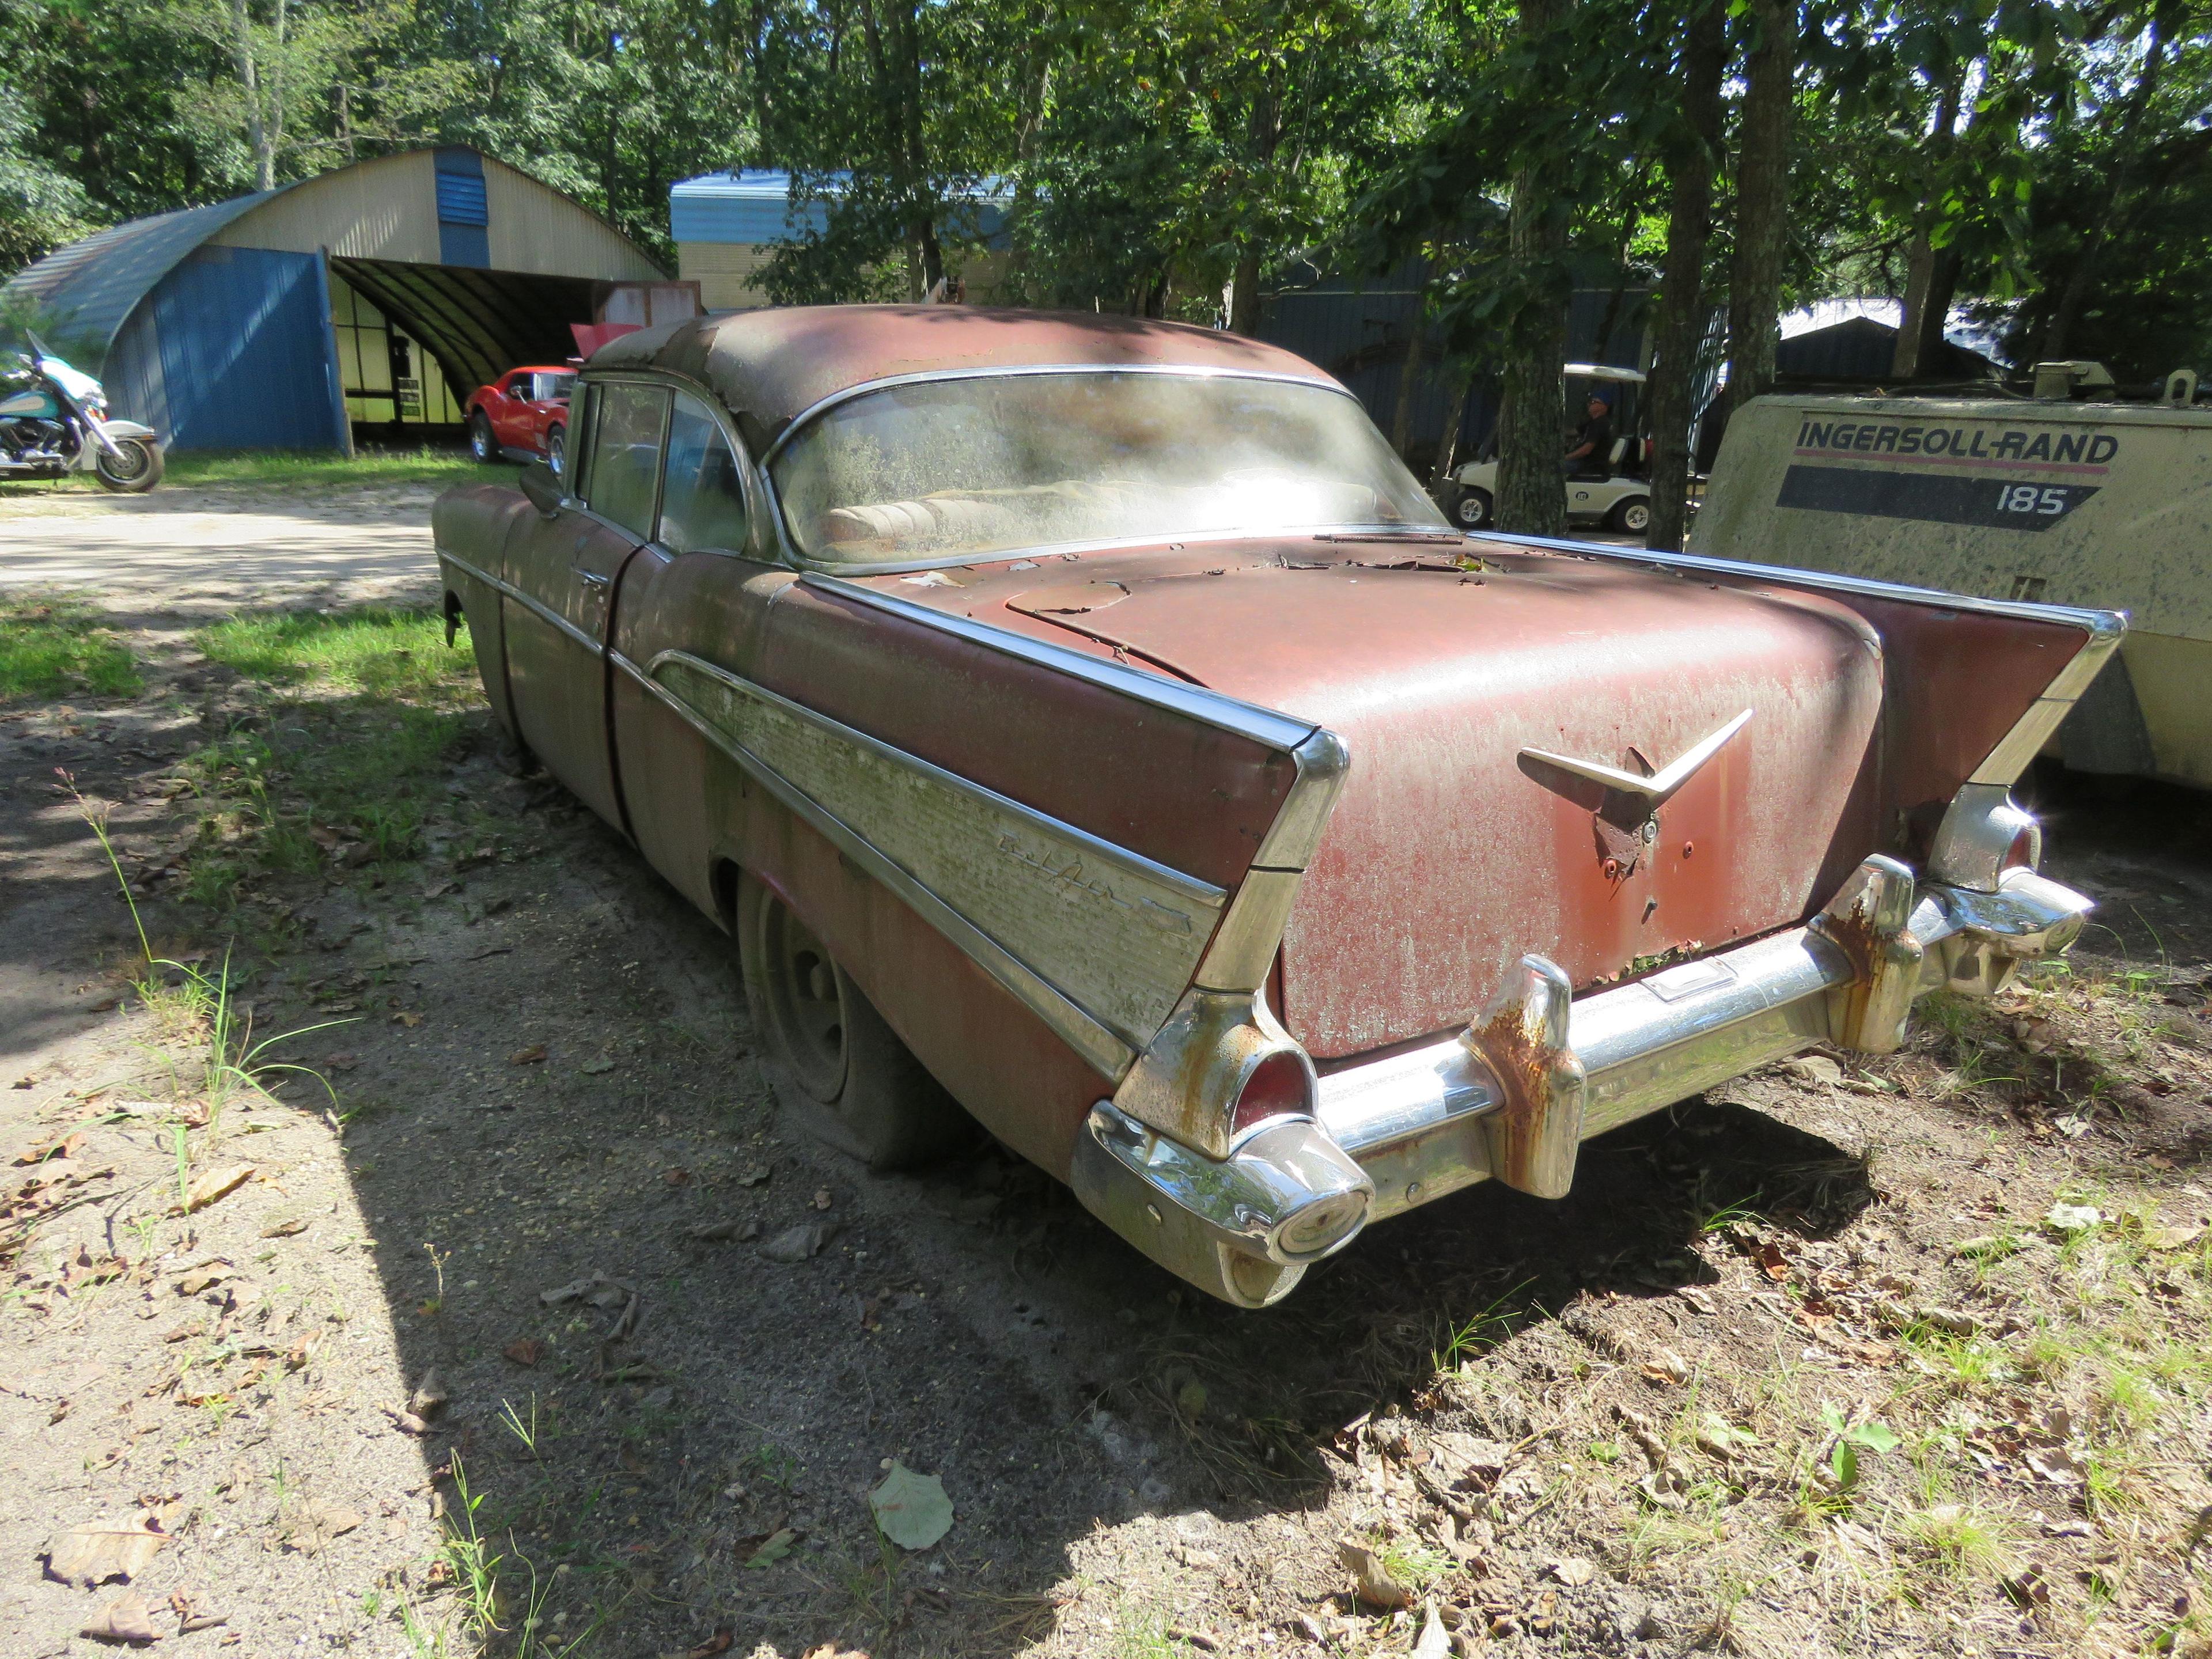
1972	688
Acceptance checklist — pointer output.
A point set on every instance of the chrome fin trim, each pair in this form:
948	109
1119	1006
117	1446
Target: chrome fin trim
1097	940
2003	764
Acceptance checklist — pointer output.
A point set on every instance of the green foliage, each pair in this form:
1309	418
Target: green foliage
58	648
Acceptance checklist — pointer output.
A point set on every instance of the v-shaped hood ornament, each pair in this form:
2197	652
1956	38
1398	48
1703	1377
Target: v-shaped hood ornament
1661	784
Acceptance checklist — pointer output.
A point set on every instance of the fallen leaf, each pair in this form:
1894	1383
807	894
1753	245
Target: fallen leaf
429	1396
407	1017
525	1351
288	1227
192	1615
712	1232
92	1555
67	1147
1772	1261
531	1056
597	1065
1572	1571
766	1549
2054	1464
321	1523
1434	1641
2026	1588
1665	1366
2172	1238
125	1618
677	1177
597	1289
204	1279
911	1509
718	1642
2073	1218
1814	1068
345	1062
797	1243
754	1177
214	1185
1371	1580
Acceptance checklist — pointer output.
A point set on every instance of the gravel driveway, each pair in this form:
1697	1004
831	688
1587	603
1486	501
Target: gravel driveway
197	552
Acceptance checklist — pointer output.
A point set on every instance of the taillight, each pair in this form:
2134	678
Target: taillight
2026	851
1276	1088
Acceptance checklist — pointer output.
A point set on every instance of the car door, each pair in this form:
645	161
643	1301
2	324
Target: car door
697	588
567	570
499	409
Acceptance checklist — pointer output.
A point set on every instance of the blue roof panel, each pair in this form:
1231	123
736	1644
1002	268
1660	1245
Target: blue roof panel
92	286
754	205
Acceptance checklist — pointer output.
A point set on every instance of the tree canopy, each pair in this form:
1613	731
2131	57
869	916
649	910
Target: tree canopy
2039	165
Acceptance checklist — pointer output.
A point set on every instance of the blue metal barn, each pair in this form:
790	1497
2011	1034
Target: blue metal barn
374	298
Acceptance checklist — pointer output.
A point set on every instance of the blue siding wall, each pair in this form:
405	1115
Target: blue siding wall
464	211
245	353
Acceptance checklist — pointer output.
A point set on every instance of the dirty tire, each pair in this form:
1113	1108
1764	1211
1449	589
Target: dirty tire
135	471
482	445
1473	510
556	451
1632	515
838	1069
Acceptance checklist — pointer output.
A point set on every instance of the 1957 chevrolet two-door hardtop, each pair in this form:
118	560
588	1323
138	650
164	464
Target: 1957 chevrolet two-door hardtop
1090	721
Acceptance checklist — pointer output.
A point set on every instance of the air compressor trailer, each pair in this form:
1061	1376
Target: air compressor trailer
2104	504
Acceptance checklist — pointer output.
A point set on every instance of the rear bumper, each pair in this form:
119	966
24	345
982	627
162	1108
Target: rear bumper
1513	1096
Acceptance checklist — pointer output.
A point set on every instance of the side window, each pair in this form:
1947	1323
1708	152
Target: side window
703	501
625	467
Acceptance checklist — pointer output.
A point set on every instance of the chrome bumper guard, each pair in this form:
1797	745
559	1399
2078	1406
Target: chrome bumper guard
1538	1073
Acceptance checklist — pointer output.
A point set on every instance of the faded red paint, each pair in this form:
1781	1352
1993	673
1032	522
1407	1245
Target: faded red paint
1448	858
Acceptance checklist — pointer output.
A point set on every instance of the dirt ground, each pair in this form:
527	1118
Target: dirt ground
524	1326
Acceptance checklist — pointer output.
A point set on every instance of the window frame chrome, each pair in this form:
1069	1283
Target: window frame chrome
749	478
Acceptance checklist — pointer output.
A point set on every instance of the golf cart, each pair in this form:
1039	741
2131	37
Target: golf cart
1617	491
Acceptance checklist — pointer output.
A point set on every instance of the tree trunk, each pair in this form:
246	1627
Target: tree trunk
1762	209
257	139
1532	485
1409	372
1922	258
1681	322
345	121
273	125
1244	291
1448	450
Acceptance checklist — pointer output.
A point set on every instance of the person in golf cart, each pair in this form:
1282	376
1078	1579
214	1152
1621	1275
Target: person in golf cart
1593	446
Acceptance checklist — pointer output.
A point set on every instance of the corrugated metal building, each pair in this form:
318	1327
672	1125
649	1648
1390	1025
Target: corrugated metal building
727	225
378	295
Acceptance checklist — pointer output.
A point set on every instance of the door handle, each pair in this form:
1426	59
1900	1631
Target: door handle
594	579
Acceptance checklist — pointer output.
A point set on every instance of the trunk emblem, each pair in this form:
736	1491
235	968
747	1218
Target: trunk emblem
1656	790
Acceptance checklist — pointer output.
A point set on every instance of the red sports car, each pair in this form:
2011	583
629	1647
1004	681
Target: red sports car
522	416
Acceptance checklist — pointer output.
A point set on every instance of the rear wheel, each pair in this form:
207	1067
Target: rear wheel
134	472
1473	510
1631	516
482	444
837	1067
556	451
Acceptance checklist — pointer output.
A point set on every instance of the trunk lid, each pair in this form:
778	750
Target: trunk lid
1453	851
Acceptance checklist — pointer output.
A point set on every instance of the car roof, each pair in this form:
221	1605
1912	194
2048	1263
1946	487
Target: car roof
772	364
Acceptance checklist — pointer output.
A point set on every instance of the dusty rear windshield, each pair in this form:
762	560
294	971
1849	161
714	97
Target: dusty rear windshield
972	466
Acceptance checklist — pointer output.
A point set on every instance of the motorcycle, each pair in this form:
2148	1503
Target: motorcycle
53	420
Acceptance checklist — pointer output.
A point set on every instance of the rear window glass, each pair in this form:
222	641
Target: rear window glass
625	467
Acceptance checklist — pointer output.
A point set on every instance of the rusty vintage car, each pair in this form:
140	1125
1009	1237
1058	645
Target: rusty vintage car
1089	721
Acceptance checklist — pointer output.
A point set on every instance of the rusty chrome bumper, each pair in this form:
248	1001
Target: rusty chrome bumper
1539	1071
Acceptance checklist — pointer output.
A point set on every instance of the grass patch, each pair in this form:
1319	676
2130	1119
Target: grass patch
364	709
56	648
250	468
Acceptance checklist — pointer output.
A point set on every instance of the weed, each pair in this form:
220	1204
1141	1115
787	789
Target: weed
58	648
475	1569
533	1432
1959	1540
1492	1325
1414	1563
